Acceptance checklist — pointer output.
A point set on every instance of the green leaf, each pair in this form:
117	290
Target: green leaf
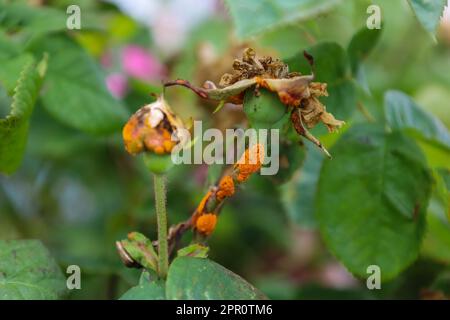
436	244
40	20
75	91
35	19
437	240
332	67
147	289
404	114
361	45
358	49
14	128
372	199
291	156
194	250
202	279
300	193
442	284
27	271
428	12
252	17
10	69
8	48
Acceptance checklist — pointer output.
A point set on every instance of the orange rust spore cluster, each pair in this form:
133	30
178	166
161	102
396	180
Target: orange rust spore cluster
206	223
250	162
204	218
226	188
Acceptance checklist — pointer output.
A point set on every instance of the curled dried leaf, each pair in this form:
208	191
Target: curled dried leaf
137	251
313	112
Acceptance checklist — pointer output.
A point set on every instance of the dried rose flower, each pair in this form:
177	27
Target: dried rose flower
298	92
154	128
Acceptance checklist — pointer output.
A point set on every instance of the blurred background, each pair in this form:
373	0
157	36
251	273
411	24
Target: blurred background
79	192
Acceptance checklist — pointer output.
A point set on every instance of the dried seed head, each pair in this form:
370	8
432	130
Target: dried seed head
206	223
153	127
298	92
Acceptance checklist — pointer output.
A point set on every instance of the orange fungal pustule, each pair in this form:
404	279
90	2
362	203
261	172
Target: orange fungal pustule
206	223
250	162
226	188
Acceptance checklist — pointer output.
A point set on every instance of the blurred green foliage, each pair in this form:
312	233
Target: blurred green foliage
77	190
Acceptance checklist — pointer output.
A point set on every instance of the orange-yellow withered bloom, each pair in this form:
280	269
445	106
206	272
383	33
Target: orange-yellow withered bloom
154	127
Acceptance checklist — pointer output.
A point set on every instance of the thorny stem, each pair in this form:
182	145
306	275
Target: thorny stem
161	216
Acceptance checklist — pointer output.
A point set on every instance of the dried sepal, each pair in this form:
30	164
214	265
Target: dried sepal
232	93
297	122
291	91
313	111
251	66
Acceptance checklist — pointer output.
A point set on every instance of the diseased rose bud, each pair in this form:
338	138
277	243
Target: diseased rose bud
250	162
153	128
206	223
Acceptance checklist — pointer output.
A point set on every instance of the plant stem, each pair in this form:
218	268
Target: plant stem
161	216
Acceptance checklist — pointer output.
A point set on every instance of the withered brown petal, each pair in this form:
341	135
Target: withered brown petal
291	91
297	122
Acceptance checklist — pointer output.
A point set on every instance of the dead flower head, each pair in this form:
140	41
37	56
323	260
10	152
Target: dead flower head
154	128
298	92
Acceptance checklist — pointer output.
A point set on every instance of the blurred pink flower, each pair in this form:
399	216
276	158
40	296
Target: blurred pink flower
139	63
336	276
117	84
445	19
106	60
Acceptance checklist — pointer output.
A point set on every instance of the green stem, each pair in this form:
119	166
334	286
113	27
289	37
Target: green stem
161	216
